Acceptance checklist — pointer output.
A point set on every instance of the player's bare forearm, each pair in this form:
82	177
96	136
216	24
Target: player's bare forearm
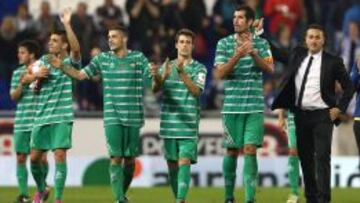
266	66
73	42
157	83
193	89
17	93
221	71
73	73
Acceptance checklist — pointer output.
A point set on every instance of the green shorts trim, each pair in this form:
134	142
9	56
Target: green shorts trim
175	149
122	141
22	141
52	136
243	129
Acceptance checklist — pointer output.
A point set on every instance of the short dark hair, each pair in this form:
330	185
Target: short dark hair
316	27
249	12
62	34
119	28
185	32
32	47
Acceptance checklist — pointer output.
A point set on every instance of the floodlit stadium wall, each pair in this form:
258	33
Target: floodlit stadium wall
88	161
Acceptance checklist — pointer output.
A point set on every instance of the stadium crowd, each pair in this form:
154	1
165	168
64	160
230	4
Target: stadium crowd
153	24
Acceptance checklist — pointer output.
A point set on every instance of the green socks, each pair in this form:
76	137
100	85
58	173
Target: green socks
60	177
37	172
293	168
250	176
184	177
173	179
128	175
22	178
229	170
117	181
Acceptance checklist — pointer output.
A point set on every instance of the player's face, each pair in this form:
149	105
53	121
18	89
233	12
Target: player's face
184	45
241	24
117	40
56	45
314	40
24	56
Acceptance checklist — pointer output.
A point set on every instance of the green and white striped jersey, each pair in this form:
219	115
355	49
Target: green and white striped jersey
26	105
180	110
243	87
123	84
55	103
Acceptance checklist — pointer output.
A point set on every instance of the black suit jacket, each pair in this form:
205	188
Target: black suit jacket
332	70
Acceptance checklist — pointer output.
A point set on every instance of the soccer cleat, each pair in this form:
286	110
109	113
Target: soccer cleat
293	199
38	198
23	199
46	193
230	201
126	200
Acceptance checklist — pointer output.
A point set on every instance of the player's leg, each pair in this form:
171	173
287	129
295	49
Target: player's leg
187	156
172	157
232	143
115	143
45	166
60	173
356	128
293	162
22	148
131	138
253	139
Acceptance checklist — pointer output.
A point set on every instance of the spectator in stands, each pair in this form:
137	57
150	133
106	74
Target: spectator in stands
350	46
45	23
24	20
352	14
109	15
8	47
144	18
282	12
84	29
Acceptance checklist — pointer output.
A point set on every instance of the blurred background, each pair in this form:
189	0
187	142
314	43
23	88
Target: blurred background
152	26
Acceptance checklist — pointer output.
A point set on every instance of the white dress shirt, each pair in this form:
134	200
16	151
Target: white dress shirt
312	95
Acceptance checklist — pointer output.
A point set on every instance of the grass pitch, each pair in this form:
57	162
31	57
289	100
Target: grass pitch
103	194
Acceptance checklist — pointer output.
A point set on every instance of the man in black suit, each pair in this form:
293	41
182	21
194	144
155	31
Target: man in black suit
308	90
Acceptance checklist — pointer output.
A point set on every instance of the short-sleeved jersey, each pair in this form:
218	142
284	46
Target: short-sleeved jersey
243	87
180	110
123	83
26	105
55	101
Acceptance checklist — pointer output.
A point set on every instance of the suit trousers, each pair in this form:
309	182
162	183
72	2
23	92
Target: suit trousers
314	136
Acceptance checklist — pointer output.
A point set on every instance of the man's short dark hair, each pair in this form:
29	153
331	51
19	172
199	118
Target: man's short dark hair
119	28
31	46
249	12
62	34
316	27
185	32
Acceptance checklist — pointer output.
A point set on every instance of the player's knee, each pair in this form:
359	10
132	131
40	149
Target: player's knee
184	161
116	160
60	155
44	158
21	158
233	152
250	149
172	164
293	152
35	156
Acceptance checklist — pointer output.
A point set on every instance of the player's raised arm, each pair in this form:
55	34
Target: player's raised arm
65	19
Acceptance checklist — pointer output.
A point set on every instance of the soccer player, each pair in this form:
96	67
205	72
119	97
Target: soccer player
293	160
54	114
240	60
182	82
123	74
28	53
